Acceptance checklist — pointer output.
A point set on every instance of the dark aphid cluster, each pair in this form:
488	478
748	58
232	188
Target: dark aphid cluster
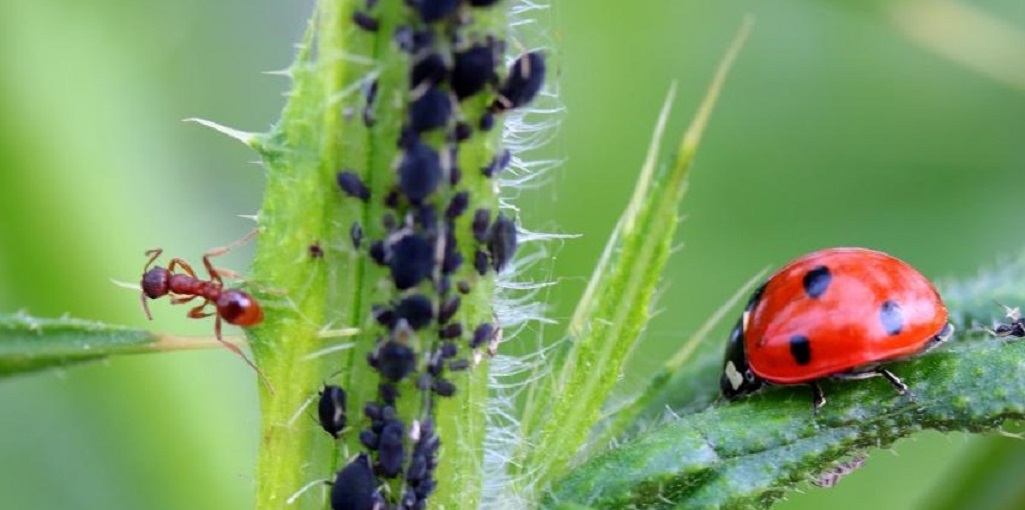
420	481
430	227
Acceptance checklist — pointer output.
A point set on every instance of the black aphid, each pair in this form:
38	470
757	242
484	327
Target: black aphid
388	393
459	364
435	10
430	111
412	260
481	220
449	350
365	21
412	41
453	260
443	285
480	262
454	330
368	438
368	108
372	411
457	206
395	361
352	185
448	308
383	315
331	409
354	487
454	174
390	452
444	387
429	70
487	121
377	252
499	163
474	68
407	137
482	335
417	310
463	286
526	76
391	200
417	469
356	234
463	131
419	172
502	241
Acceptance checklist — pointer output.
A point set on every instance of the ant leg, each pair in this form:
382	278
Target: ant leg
198	313
215	274
235	349
178	300
145	306
176	262
152	254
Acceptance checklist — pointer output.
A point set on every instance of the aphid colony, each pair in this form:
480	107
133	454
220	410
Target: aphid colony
425	243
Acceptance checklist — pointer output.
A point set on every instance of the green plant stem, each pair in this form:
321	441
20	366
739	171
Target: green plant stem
322	132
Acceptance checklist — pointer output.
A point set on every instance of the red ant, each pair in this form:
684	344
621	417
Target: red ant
232	305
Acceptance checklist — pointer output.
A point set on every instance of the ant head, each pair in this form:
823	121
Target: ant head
156	282
238	308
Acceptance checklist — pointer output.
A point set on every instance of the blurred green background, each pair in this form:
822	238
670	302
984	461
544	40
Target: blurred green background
838	126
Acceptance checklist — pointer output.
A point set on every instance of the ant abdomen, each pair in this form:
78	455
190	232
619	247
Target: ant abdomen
239	308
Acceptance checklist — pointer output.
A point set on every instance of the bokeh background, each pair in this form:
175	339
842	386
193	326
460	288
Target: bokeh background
898	125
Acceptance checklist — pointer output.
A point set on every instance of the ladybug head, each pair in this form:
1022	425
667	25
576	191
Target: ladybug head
737	378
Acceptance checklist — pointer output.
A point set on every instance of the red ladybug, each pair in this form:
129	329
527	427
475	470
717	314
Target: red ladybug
837	313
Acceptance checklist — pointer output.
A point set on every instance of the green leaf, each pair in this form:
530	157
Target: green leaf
30	343
616	304
747	454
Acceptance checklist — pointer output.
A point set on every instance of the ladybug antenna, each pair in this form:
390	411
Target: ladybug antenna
1011	313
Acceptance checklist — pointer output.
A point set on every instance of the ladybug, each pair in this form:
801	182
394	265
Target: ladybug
836	313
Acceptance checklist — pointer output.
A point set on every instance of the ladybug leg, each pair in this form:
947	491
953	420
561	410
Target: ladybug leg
893	380
818	399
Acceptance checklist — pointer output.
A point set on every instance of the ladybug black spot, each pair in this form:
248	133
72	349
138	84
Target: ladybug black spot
800	349
891	317
817	281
